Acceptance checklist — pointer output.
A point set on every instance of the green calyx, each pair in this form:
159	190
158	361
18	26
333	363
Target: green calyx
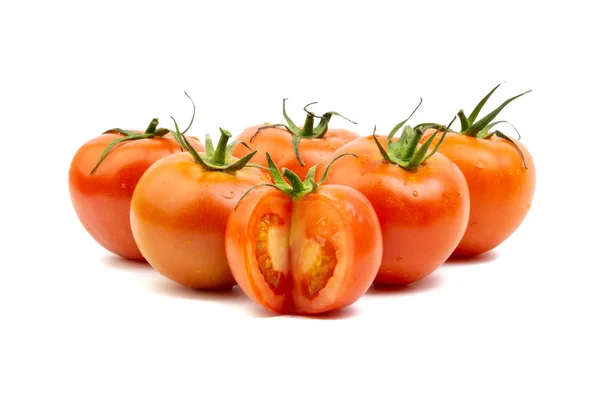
406	152
308	130
482	129
151	132
215	159
294	187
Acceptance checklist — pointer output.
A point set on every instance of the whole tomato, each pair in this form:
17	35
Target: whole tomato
501	177
292	147
302	248
180	208
103	175
421	199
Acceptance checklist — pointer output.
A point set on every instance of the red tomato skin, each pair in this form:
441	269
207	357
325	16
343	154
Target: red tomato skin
501	189
278	143
361	236
102	200
179	213
423	213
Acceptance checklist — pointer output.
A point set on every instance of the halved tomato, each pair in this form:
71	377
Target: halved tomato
302	248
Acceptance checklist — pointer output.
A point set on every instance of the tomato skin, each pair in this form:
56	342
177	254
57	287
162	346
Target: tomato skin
179	213
501	189
358	237
278	143
423	213
102	200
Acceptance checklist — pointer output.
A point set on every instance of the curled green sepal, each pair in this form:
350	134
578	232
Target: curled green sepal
214	159
482	128
406	152
308	130
151	132
129	136
289	183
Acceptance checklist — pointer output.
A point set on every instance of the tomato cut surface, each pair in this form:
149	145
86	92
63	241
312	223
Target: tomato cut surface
271	253
304	256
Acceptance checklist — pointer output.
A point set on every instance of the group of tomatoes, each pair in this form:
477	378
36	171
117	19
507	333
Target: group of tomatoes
304	218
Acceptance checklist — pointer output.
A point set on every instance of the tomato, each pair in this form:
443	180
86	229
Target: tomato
302	248
422	201
180	208
292	147
102	198
501	176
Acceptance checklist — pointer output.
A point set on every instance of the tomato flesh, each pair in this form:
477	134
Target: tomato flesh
316	263
271	253
321	256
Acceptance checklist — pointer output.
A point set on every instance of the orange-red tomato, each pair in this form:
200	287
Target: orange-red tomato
102	199
179	213
306	256
278	143
500	187
423	212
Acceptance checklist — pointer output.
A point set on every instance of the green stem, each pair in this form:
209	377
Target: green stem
295	181
152	127
296	189
464	122
221	151
406	152
409	150
309	125
308	131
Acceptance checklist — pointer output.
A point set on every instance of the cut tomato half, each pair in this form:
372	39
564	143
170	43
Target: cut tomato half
305	256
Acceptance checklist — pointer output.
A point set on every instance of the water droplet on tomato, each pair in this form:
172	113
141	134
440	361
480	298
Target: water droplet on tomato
473	224
228	195
480	165
415	193
123	186
398	259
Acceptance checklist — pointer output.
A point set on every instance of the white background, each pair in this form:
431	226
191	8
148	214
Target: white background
79	323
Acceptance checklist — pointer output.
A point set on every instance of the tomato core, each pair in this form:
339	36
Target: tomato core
272	261
323	252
